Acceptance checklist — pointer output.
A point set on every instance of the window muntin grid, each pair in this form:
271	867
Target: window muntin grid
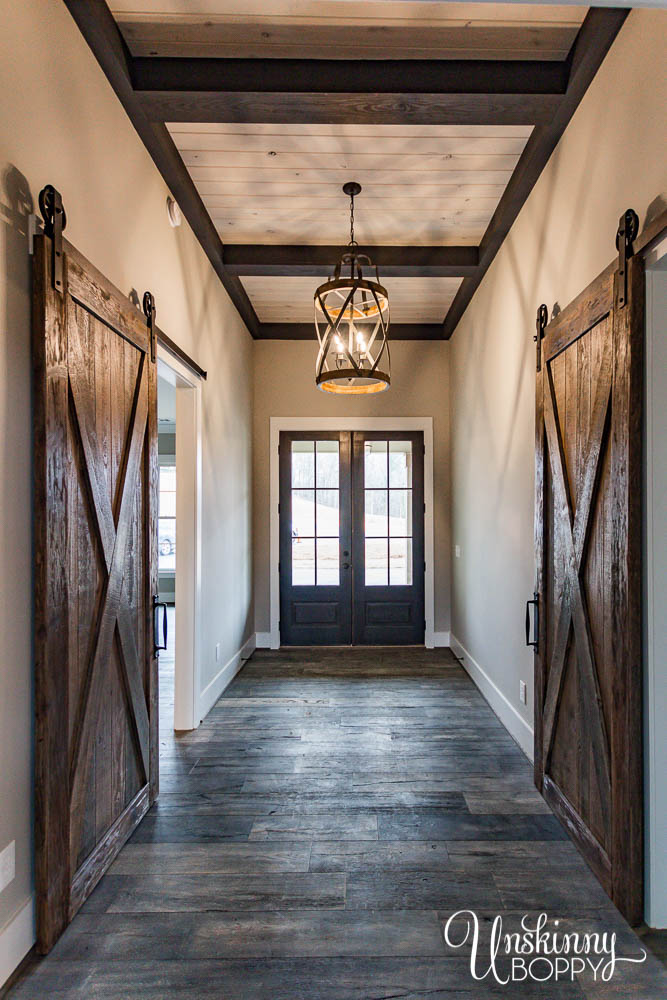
388	513
315	488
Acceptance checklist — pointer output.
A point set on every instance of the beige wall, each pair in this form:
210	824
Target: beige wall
285	387
611	157
61	123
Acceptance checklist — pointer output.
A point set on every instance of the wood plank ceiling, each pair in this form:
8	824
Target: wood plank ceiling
423	185
450	113
330	29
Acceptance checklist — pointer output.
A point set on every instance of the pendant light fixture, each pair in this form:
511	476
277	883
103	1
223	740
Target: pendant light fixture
352	322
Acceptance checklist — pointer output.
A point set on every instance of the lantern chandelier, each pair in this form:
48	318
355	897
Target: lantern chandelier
351	322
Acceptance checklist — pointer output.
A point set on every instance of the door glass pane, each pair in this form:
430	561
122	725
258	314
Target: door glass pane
303	513
376	524
400	464
328	520
328	573
167	518
303	464
327	464
400	512
400	562
375	464
376	562
167	491
303	562
166	543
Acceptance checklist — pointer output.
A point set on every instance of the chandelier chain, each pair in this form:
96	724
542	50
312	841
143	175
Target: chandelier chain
353	242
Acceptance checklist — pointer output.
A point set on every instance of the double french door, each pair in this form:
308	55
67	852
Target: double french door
351	538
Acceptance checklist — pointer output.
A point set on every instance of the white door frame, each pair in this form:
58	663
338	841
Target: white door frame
279	424
655	593
187	682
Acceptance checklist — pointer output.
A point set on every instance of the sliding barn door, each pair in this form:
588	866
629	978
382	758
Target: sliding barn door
588	691
95	546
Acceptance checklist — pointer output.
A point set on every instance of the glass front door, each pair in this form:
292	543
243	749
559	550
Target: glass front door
351	538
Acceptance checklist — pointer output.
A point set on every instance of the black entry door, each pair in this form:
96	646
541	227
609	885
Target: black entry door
388	538
351	538
315	539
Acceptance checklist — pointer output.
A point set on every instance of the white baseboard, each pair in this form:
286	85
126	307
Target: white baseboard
224	677
263	640
16	939
517	727
441	640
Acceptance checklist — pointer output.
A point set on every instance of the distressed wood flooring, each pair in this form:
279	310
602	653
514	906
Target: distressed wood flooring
312	838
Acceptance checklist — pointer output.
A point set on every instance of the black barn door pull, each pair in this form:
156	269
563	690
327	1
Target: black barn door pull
157	604
536	632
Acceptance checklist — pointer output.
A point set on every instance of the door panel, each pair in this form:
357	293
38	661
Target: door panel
351	538
95	507
388	538
588	736
315	540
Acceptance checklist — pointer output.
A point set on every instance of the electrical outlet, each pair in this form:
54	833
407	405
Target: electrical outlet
7	865
457	551
217	652
522	693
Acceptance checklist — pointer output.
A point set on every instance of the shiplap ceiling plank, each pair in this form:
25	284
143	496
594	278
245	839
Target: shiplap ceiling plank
277	144
336	177
343	29
354	130
290	300
375	159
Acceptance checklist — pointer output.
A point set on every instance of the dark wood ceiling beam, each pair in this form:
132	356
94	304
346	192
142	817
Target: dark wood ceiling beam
100	30
387	91
318	261
596	36
306	331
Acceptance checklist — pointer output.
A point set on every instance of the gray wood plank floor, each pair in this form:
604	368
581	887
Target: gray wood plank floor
313	836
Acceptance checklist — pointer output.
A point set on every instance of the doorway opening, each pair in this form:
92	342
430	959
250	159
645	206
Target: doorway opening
166	422
352	568
179	541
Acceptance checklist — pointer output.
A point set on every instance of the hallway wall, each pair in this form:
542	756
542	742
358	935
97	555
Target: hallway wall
61	123
611	157
285	387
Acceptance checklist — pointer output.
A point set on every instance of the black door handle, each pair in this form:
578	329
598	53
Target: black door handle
536	633
157	604
346	565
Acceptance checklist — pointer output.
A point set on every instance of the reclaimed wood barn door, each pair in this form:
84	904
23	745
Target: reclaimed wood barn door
588	683
95	545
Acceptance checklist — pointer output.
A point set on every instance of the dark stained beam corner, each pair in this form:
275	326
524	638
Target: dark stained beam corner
98	27
594	39
318	261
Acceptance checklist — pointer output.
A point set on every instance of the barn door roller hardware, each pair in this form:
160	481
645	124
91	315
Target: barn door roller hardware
540	325
628	227
149	313
55	220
